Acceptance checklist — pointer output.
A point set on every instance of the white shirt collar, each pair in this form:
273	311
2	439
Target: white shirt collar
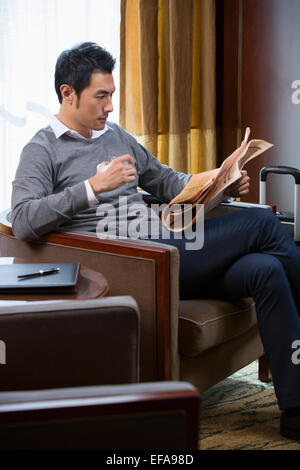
59	129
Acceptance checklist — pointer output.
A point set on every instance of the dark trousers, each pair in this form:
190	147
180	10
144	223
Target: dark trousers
250	254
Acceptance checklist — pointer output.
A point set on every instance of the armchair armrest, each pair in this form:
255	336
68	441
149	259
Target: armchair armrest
141	416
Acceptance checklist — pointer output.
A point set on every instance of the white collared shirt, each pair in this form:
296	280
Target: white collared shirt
59	129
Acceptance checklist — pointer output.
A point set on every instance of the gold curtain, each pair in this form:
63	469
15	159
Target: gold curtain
167	77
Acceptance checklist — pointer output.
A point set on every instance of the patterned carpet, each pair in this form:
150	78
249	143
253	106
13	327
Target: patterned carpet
241	413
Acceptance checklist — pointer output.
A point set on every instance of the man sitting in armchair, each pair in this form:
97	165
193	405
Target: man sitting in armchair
67	174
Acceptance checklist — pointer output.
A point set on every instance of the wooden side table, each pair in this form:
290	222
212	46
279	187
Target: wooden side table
90	285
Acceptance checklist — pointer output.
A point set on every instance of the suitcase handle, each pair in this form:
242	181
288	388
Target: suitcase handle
283	170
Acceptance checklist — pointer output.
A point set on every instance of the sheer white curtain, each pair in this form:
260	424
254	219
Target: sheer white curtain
32	35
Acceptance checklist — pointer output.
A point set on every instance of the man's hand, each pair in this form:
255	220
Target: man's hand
240	187
119	172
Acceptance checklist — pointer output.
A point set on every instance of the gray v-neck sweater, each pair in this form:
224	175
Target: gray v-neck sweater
49	193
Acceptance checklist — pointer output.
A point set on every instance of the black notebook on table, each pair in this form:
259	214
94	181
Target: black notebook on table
62	280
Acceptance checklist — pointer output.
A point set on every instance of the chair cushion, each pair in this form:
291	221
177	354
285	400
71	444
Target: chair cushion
204	324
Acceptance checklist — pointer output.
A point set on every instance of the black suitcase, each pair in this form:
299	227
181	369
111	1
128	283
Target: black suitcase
290	220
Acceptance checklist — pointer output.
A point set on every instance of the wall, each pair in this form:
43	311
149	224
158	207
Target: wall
267	34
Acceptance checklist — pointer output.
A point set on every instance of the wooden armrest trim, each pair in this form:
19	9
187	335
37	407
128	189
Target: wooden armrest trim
138	403
5	229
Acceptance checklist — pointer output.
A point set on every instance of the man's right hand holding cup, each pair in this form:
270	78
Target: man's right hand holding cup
118	172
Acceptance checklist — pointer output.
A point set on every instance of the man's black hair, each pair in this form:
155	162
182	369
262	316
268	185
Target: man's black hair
75	66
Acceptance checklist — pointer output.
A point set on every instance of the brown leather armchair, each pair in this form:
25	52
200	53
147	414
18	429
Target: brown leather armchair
198	341
57	355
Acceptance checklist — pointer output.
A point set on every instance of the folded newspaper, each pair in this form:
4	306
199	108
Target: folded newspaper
204	191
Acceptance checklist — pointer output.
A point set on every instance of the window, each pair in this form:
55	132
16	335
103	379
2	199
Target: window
32	35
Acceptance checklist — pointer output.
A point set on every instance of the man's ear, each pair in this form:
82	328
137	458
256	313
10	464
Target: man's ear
67	93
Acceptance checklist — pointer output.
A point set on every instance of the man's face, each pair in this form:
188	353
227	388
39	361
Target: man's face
91	110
